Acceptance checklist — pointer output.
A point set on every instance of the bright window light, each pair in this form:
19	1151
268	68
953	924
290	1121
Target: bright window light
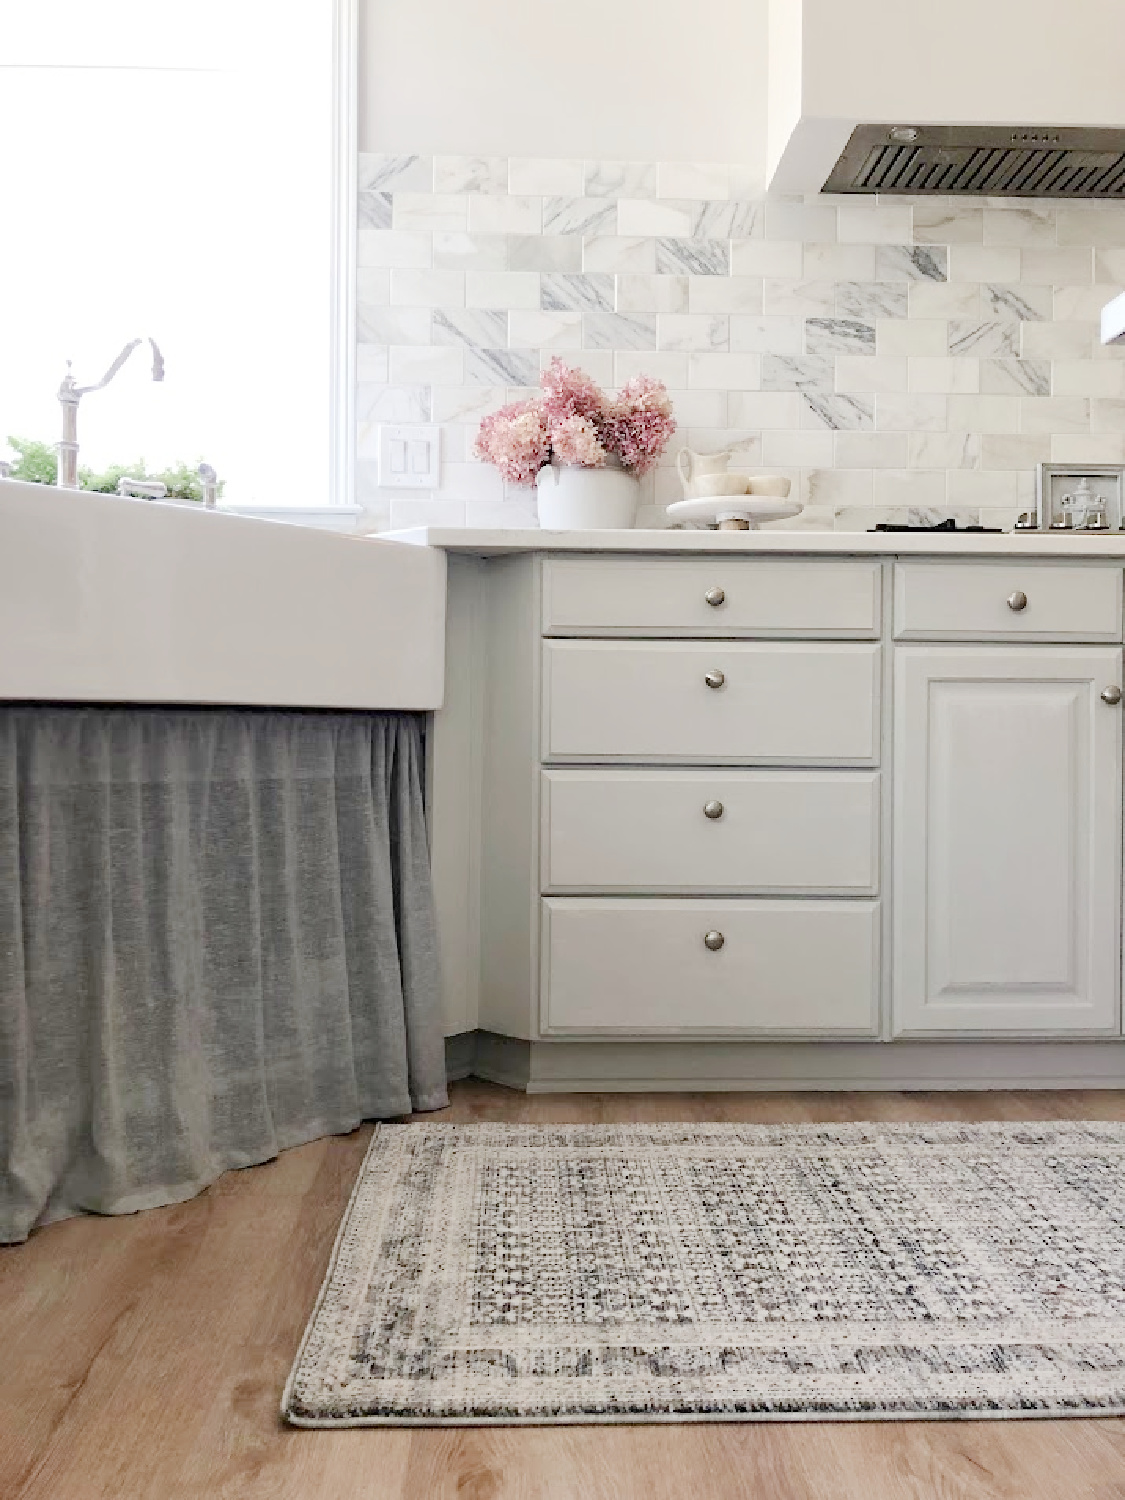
166	171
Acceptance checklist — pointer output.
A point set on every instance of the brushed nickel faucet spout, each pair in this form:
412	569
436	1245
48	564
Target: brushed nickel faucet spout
70	394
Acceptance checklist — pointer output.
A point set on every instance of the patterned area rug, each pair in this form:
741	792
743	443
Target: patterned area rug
643	1273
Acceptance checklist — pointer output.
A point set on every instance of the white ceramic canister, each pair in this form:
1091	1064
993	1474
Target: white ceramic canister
574	498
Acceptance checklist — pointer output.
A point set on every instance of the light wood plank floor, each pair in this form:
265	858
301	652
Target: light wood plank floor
143	1359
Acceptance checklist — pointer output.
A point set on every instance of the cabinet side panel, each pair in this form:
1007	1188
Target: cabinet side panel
454	771
510	799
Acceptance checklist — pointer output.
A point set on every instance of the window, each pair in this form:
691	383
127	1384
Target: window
184	173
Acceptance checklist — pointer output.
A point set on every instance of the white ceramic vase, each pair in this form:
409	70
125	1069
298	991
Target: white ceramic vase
573	498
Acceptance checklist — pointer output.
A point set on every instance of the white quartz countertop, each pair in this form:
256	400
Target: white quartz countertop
500	542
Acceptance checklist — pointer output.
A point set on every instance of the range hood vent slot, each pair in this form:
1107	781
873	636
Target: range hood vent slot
1005	163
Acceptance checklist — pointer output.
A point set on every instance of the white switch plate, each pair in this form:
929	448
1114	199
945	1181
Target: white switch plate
409	457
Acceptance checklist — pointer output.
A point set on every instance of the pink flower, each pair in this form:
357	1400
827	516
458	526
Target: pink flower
569	392
515	440
575	441
575	422
640	423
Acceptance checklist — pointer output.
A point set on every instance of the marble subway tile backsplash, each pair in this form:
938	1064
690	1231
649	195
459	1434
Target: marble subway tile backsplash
884	354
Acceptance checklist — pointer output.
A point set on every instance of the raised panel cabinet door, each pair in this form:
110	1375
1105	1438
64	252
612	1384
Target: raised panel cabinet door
1007	840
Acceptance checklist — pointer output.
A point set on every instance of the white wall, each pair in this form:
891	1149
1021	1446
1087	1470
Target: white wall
1027	62
649	80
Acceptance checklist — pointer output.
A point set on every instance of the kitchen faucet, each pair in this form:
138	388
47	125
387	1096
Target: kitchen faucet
69	397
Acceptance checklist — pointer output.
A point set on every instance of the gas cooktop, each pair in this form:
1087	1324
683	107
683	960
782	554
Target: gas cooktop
950	525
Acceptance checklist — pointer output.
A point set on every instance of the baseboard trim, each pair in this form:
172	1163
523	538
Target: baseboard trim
763	1067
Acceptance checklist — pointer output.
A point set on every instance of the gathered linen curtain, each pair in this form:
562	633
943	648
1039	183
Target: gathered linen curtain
216	941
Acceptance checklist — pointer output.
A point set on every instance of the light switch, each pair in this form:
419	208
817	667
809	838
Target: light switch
410	457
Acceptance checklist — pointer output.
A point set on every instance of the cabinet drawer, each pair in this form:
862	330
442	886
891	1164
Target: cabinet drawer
963	601
815	832
785	967
776	703
670	596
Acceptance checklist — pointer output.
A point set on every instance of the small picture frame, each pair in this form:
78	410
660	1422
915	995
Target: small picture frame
1070	496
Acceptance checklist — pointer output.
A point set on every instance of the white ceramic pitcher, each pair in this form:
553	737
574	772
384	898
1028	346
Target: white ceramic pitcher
704	473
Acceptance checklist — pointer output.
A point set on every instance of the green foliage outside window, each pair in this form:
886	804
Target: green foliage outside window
38	464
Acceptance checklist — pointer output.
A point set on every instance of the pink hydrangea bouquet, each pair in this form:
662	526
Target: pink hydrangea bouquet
573	421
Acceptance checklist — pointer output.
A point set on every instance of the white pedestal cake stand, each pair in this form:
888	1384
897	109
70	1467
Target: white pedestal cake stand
735	512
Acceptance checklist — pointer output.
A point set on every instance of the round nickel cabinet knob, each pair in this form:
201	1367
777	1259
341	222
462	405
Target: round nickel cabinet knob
715	597
713	940
714	679
1111	694
1017	601
714	809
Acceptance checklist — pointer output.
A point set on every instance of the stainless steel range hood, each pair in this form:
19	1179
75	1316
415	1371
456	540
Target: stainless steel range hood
1004	163
1009	98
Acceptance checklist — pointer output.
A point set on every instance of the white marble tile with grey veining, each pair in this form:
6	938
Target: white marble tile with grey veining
455	250
579	216
619	253
373	210
782	259
1053	265
482	328
693	257
393	325
372	364
621	179
544	252
796	372
1024	223
561	291
1020	304
948	223
373	284
379	172
1057	340
839	262
800	221
839	336
944	299
661	294
493	366
911	263
767	334
528	175
898	412
470	174
656	216
840	412
1055	414
802	299
391	403
870	300
693	331
1075	302
998	263
416	364
393	248
1021	377
532	329
984	339
430	211
729	220
687	179
912	336
491	213
724	294
611	330
944	449
1014	451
